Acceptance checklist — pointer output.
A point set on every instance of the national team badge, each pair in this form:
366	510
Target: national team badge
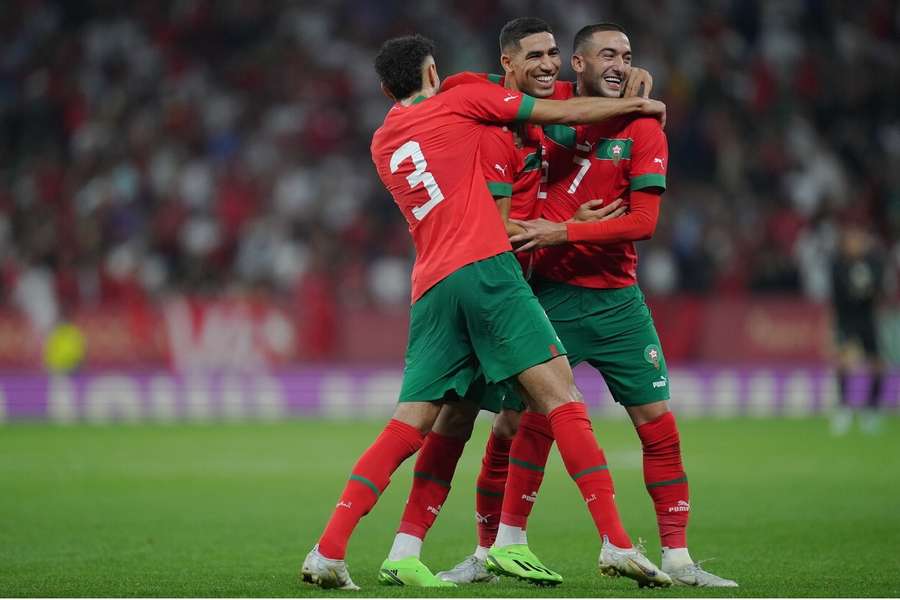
616	151
652	355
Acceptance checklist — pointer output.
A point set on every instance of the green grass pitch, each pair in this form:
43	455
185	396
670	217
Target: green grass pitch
230	510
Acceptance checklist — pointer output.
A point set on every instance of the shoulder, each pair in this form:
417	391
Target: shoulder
464	78
644	127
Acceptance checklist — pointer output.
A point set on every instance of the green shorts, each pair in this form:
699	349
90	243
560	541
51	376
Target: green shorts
613	331
496	396
481	319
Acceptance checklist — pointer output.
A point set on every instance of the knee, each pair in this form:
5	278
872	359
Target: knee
455	423
506	423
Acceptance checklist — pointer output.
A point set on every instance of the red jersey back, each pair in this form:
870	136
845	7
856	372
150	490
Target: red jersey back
523	150
427	155
590	162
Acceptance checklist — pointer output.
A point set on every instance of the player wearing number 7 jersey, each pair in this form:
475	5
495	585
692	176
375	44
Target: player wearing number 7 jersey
472	309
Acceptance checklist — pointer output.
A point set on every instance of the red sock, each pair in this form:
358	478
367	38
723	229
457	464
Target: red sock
586	465
527	459
665	479
370	476
489	488
431	483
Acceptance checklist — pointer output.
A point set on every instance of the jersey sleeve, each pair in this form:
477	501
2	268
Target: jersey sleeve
488	103
498	160
649	155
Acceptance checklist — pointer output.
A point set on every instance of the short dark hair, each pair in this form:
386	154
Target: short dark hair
521	27
399	64
585	33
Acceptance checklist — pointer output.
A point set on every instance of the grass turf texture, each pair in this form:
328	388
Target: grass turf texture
231	510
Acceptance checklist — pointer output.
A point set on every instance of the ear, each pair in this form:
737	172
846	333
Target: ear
432	76
387	92
577	63
506	63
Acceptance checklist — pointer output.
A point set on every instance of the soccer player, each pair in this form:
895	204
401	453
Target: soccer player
470	301
587	282
856	284
511	163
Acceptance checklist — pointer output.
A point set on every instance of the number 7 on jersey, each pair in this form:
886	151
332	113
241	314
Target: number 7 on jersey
413	151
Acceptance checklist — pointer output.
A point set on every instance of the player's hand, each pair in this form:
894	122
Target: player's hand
654	108
639	83
594	210
539	233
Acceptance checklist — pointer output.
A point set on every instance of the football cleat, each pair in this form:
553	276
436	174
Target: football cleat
520	562
630	563
471	570
694	575
327	573
409	571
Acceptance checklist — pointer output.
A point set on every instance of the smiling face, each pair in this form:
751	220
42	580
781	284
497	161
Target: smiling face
603	63
534	66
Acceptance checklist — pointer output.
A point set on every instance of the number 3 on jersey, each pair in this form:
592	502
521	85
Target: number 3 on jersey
413	151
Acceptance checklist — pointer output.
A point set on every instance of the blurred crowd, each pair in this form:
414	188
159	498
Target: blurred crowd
191	146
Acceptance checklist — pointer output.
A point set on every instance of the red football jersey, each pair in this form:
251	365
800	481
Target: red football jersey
427	155
590	162
523	149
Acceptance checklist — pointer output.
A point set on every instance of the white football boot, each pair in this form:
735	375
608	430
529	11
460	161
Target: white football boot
631	563
327	573
694	575
471	570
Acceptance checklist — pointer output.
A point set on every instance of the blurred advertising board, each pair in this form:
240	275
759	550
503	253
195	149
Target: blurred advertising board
252	334
358	393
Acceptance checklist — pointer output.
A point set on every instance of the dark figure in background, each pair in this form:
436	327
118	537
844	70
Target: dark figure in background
857	283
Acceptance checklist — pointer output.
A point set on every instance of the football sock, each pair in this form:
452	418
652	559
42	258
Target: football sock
405	545
368	479
527	459
674	558
665	479
508	535
432	474
481	552
489	488
586	464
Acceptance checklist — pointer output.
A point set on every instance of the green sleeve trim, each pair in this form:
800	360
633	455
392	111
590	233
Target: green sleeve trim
494	78
525	108
500	189
649	180
563	135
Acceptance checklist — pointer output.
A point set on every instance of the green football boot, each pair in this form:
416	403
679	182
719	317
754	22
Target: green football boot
520	562
409	571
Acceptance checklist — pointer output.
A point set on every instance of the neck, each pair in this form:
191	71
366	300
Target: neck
424	92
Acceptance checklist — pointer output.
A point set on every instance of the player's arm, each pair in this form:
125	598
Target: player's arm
593	110
491	103
499	166
638	224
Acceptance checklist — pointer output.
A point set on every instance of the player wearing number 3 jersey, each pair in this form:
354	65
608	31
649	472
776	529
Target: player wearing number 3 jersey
472	309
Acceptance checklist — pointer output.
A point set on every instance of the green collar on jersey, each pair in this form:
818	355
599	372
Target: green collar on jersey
418	99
